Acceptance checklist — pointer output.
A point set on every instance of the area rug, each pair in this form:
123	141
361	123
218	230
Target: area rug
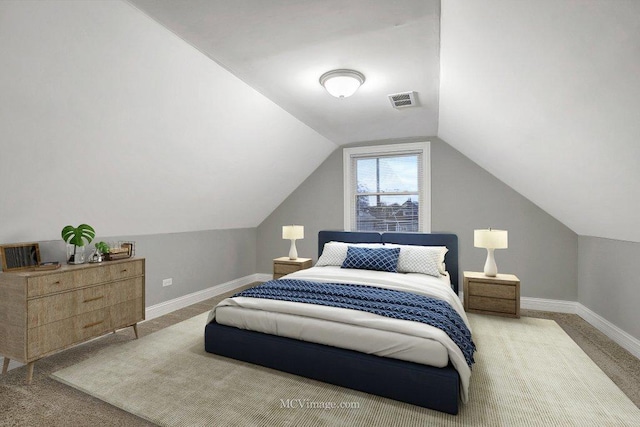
527	372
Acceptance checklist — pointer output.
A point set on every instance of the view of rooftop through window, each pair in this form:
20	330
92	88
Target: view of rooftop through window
388	193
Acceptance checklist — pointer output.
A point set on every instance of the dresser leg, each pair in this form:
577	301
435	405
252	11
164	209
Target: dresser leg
5	365
30	372
135	329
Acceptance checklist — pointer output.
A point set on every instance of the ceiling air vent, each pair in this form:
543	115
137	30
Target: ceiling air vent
403	100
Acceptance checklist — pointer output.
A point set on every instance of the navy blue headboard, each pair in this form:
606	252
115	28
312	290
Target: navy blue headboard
419	239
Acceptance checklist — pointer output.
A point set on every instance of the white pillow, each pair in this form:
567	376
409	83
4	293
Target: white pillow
334	253
421	259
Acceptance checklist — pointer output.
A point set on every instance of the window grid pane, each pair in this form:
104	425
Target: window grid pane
386	174
391	213
374	209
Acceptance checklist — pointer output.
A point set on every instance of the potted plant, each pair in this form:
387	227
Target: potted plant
102	247
102	250
78	237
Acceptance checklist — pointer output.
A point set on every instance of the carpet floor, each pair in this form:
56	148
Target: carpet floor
527	372
48	402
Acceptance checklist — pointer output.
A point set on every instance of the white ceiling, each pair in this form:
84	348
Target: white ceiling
281	48
108	118
545	95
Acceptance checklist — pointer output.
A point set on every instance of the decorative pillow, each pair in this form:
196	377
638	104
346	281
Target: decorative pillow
378	259
422	259
334	253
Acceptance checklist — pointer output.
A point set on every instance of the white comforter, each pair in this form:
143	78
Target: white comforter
353	329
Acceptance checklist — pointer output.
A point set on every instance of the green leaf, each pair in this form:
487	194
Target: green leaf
102	247
78	235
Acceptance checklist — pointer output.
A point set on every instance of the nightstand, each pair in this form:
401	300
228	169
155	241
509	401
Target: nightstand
284	265
498	295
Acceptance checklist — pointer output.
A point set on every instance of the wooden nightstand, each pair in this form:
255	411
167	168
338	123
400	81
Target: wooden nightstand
284	265
498	295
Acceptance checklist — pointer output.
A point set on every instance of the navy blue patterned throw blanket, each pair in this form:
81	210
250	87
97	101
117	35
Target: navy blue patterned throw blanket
383	302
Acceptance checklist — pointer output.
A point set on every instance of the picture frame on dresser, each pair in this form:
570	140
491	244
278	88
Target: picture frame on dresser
129	246
20	256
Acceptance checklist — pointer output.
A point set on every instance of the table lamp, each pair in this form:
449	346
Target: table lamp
293	232
490	239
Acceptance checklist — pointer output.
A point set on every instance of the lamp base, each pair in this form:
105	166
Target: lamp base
490	267
293	253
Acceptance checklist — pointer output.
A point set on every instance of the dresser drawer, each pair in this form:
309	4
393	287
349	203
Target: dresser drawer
63	333
492	290
285	268
109	273
52	308
492	304
125	290
126	313
50	283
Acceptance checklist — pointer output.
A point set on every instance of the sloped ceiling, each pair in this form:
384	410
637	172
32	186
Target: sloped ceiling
108	118
543	94
281	48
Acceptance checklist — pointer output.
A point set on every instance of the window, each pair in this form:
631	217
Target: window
387	188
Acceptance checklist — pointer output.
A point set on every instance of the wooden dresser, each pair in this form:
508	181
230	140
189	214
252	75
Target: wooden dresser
42	312
499	295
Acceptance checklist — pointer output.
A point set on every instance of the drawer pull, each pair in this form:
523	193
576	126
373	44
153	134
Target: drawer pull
93	299
88	325
124	271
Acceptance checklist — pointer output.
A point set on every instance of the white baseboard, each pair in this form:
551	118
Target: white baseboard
556	306
13	365
626	341
184	301
264	277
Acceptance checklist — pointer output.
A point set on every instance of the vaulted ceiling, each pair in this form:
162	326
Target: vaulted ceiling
545	95
281	48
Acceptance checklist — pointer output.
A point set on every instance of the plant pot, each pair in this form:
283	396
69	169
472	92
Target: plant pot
75	254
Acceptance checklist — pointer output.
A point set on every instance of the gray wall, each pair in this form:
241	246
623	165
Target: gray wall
194	260
609	281
316	204
542	252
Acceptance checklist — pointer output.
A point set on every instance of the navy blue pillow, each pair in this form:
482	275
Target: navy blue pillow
379	259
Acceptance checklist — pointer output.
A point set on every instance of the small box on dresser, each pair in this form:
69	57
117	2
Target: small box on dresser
498	295
42	312
283	266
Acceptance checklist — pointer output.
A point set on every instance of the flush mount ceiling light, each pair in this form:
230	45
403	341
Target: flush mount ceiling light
342	83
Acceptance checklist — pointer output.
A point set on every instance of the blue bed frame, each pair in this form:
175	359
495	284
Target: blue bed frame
426	386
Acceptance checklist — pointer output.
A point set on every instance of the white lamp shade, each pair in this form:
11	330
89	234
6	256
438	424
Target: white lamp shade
490	239
342	83
293	232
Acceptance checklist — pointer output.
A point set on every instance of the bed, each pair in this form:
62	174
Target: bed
234	330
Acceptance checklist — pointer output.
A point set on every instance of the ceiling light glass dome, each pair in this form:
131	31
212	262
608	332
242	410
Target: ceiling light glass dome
342	83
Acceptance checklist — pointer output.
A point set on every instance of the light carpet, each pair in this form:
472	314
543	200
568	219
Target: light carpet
527	372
